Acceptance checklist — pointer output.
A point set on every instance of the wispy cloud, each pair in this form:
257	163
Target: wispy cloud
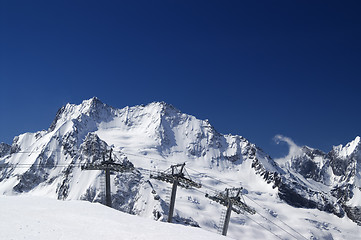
294	149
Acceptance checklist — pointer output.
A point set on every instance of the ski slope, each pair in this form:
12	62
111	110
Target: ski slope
38	218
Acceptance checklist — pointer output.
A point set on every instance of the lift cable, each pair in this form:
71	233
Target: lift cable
263	227
26	165
278	219
267	219
147	170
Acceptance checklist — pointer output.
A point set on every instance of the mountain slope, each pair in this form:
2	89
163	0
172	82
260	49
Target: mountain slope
152	138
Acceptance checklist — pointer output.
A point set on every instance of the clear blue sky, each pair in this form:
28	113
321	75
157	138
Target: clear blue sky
253	68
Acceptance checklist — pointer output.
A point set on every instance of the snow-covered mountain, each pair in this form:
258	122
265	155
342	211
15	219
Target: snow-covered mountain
321	190
334	178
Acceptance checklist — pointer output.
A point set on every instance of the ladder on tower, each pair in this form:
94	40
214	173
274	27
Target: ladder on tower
231	198
109	167
102	188
221	221
168	193
177	176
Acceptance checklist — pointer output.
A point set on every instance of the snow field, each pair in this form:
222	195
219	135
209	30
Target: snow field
36	218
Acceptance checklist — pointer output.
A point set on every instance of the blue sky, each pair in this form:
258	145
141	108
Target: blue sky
253	68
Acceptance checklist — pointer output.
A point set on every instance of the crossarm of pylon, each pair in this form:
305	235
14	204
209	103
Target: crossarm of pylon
163	177
189	183
117	168
92	167
217	199
244	206
113	167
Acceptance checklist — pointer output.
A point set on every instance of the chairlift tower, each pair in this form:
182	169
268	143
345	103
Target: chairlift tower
178	176
232	200
109	166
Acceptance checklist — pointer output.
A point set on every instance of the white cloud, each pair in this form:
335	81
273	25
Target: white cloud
294	149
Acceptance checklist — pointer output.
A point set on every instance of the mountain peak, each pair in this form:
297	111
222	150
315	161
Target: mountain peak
164	106
356	141
92	102
91	107
349	148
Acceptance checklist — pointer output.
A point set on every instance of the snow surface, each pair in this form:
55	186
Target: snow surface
37	218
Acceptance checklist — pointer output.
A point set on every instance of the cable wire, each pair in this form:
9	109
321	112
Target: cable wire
2	166
278	219
264	227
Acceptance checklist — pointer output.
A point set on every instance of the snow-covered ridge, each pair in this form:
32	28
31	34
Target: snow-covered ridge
348	149
155	136
332	178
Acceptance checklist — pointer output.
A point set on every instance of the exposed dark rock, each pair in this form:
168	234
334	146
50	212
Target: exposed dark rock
353	213
57	117
4	149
